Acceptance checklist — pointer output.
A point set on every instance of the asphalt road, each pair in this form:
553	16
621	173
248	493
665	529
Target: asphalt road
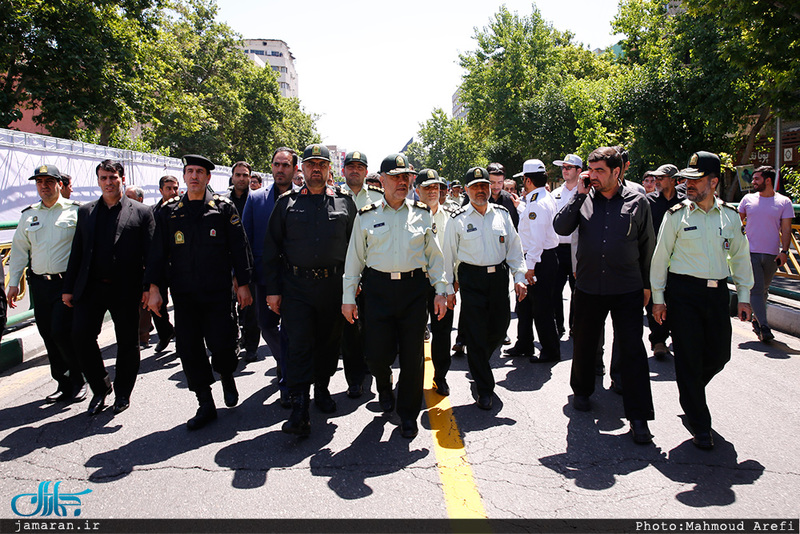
531	456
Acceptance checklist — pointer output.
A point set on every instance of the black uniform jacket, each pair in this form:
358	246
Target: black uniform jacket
198	251
131	245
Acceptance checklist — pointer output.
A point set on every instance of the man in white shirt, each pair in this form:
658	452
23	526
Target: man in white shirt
539	242
571	168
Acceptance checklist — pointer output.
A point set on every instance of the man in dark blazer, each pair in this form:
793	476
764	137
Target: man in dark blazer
105	272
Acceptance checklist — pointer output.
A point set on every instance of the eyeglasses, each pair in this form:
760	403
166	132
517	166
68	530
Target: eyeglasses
568	167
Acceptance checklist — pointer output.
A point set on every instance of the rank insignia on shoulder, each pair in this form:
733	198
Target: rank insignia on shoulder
677	207
373	187
368	207
458	212
234	219
26	209
179	239
532	215
287	193
421	205
730	207
534	197
500	207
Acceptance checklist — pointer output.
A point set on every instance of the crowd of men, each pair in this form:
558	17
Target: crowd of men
321	271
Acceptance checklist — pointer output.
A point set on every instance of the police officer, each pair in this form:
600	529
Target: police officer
480	246
44	238
198	242
304	253
427	185
700	242
392	244
355	366
539	242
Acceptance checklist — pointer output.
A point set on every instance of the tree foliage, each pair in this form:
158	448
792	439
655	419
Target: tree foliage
447	145
157	74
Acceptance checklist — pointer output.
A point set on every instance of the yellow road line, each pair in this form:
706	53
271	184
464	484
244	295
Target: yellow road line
460	492
17	381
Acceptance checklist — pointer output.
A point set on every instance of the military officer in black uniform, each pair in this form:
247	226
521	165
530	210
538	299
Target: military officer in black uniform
199	241
304	253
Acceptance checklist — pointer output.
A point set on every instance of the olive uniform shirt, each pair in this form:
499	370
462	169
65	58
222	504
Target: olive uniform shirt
703	245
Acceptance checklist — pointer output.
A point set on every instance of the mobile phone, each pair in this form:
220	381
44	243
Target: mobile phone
587	182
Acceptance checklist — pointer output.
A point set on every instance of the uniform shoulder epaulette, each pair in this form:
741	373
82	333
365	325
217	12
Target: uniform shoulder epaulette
375	188
171	201
28	208
677	207
458	212
286	193
501	207
368	207
222	198
729	206
71	202
421	205
342	192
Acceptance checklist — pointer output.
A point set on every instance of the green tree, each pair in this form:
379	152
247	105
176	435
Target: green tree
447	145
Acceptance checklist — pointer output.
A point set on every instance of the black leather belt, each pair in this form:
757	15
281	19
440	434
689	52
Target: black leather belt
315	274
57	276
488	269
700	282
396	275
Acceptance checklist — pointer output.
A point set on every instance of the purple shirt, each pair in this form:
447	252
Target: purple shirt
764	216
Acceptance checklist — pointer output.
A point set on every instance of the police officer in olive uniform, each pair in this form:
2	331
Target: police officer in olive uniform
304	253
700	242
427	185
198	242
355	366
392	245
480	247
43	238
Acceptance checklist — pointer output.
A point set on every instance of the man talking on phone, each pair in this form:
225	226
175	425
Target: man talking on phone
701	241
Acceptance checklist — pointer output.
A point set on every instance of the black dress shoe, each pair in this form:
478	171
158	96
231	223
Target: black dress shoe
386	400
229	391
206	413
581	403
641	432
703	440
408	428
354	391
516	352
162	343
54	396
121	404
546	358
98	402
323	400
458	348
80	392
485	401
441	387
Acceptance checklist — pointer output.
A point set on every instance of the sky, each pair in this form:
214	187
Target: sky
374	70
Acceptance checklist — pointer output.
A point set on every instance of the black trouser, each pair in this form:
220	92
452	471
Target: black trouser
658	332
205	319
54	322
538	308
564	275
353	358
276	340
311	312
163	326
247	326
440	337
701	337
394	323
486	314
123	302
626	315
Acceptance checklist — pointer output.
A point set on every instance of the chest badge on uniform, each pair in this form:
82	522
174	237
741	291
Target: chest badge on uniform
470	228
179	239
35	218
502	239
532	215
433	227
726	244
234	219
213	233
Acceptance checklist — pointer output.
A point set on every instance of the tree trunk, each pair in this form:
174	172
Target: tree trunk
763	117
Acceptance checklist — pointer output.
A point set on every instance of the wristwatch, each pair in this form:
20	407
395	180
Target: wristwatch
785	251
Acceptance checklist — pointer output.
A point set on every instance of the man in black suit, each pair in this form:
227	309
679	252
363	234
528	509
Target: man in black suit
104	273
